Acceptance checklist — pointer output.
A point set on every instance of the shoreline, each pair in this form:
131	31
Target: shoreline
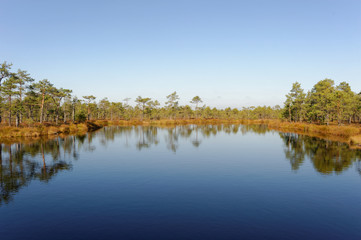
350	134
46	130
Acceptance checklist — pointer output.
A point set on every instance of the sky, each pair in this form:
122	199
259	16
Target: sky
230	53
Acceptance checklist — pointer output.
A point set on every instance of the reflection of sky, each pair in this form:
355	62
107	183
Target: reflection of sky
232	185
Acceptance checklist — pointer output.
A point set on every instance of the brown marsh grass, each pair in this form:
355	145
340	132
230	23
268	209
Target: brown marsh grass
42	130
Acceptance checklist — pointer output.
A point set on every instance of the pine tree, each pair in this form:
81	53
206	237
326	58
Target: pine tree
43	88
321	98
8	89
294	102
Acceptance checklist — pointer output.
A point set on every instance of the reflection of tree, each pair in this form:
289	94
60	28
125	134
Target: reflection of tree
196	142
330	156
147	136
359	166
293	149
90	147
327	156
227	129
49	170
258	128
172	139
21	163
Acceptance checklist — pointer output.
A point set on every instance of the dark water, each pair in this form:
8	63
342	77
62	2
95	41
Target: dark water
188	182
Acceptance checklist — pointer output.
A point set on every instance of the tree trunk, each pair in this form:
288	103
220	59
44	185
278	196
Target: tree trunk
142	112
42	108
73	113
196	110
17	119
88	113
21	105
289	113
327	119
57	115
64	112
31	115
10	110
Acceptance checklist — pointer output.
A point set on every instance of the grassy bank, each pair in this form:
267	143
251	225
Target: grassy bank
347	133
46	130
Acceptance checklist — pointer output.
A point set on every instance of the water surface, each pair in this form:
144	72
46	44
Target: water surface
186	182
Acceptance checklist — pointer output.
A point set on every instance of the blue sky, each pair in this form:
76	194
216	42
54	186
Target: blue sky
230	53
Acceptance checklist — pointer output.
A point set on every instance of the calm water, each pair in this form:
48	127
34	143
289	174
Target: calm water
188	182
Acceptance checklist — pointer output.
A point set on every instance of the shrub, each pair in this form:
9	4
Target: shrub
80	117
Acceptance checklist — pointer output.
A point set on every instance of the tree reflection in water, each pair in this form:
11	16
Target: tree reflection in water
20	163
147	136
326	156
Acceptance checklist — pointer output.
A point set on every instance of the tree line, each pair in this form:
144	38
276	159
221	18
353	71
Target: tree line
26	101
324	103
